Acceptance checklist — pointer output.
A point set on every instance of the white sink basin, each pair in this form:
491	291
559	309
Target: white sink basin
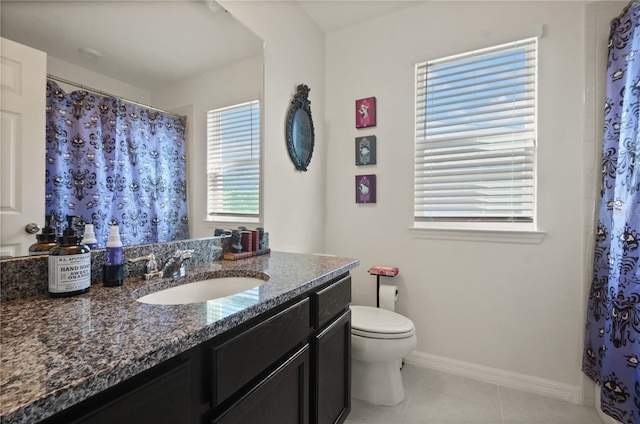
201	291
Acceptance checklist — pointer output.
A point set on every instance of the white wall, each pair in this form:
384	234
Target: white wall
294	202
515	308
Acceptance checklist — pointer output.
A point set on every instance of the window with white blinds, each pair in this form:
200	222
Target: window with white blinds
233	161
476	135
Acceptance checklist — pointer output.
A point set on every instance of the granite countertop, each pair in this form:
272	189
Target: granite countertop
57	352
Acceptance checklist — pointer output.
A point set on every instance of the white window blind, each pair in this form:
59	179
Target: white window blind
233	160
476	135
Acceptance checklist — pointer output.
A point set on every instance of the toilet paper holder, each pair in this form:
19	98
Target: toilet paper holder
382	271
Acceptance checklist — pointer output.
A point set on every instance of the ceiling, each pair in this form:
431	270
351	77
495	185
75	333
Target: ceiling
335	15
152	44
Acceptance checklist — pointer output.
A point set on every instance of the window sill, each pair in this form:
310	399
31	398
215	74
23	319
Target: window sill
479	234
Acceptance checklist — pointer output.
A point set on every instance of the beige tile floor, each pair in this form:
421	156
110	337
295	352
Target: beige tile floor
433	397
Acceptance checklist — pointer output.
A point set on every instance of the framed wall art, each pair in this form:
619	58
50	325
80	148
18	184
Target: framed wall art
365	189
366	112
366	150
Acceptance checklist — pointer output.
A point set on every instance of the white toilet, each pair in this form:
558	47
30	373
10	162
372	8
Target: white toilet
379	340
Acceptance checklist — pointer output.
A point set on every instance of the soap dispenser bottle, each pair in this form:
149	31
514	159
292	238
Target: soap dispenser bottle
69	264
47	240
113	268
89	237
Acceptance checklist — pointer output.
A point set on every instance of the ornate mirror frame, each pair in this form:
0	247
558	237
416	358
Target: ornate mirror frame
299	130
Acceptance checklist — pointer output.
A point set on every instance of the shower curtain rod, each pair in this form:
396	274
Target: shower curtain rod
93	90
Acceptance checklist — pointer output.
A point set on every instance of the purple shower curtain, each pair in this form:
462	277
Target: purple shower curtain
612	340
112	162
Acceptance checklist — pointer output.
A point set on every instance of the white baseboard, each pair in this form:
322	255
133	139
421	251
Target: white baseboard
512	380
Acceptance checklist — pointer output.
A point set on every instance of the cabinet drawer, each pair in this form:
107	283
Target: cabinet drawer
165	398
242	358
331	300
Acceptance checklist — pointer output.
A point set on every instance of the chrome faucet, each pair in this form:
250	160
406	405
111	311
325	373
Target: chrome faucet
151	269
174	267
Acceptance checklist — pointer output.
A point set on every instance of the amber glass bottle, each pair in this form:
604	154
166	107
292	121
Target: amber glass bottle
69	264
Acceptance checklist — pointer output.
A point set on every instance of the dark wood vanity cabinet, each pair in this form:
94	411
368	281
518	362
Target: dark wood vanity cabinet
311	383
331	348
287	366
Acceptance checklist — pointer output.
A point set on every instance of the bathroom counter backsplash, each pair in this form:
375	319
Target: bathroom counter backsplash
56	352
27	276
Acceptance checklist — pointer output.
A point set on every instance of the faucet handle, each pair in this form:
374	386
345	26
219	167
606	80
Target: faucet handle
181	255
152	264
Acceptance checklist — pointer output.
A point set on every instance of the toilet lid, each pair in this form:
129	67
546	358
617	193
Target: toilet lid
373	322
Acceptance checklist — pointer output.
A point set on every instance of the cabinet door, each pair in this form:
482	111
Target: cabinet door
332	379
281	398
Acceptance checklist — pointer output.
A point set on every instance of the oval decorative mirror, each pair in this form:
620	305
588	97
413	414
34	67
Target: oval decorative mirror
300	132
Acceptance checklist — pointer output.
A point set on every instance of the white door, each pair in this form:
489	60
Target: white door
22	145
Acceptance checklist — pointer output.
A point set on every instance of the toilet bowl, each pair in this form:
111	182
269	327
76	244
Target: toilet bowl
379	340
